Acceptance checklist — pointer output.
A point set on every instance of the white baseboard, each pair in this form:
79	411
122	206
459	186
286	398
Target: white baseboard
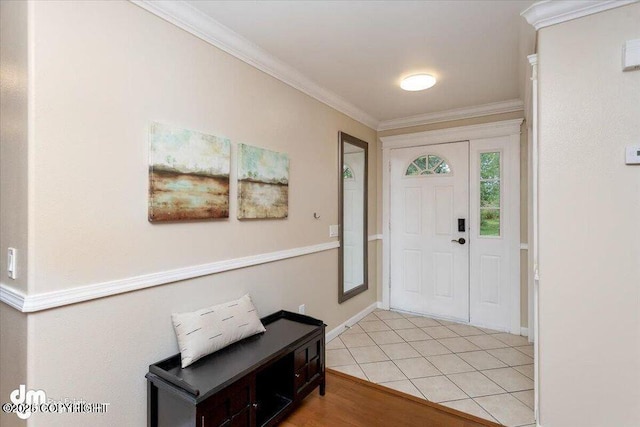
350	322
381	306
524	332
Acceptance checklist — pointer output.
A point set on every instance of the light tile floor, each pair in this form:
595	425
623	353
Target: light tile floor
475	370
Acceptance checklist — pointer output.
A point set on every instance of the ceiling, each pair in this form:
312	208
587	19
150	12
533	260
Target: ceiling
361	49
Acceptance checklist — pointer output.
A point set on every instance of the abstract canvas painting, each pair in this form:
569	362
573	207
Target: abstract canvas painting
263	183
188	174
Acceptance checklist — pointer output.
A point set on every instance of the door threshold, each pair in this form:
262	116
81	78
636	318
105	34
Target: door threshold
453	320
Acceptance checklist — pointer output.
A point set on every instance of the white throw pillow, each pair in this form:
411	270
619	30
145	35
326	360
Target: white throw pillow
208	330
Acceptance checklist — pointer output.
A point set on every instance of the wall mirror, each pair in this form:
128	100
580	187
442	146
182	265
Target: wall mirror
353	164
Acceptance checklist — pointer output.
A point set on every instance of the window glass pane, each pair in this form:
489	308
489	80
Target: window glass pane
442	168
421	162
433	161
347	173
412	170
490	165
490	222
428	165
490	194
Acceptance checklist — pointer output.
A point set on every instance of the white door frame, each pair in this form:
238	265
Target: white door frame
456	134
534	277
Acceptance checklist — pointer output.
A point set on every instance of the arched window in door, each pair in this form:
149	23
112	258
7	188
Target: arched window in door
428	165
347	173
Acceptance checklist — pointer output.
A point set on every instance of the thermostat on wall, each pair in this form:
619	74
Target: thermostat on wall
633	155
631	55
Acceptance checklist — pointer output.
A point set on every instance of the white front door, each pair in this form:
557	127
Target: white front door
429	263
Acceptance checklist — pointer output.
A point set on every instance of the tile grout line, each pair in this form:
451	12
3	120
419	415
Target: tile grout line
357	363
396	365
481	407
422	357
447	376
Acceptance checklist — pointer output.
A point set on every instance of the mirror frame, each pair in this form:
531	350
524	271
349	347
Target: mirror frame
342	295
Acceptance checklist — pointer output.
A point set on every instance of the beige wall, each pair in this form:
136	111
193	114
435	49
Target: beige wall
589	211
13	193
13	358
123	68
101	350
104	71
13	139
524	180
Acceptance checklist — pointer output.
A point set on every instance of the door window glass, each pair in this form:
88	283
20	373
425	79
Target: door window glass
490	194
428	165
347	173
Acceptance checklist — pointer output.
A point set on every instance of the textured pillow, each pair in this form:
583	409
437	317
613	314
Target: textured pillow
208	330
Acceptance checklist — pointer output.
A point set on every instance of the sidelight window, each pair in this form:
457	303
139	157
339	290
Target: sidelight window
490	194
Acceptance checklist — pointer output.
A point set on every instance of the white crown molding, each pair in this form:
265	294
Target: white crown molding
47	300
455	114
550	12
190	19
461	133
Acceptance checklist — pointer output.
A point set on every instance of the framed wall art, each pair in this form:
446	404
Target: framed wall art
188	174
263	183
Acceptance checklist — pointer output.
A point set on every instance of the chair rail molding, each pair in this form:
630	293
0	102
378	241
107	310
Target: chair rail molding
550	12
455	114
44	301
192	20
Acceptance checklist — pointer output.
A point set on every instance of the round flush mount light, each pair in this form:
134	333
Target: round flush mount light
418	82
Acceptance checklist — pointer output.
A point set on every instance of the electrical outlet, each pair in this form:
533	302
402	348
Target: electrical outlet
301	309
334	231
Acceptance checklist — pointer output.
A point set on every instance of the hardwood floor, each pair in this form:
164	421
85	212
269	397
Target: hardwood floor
350	401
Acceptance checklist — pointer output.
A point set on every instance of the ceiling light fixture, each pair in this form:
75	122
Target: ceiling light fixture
418	82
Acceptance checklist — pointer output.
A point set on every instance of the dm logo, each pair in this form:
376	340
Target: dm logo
25	400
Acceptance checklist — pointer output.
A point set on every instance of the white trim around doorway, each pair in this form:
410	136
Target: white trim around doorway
441	136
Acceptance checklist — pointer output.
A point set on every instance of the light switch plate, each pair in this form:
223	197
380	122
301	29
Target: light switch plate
11	263
334	230
633	155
